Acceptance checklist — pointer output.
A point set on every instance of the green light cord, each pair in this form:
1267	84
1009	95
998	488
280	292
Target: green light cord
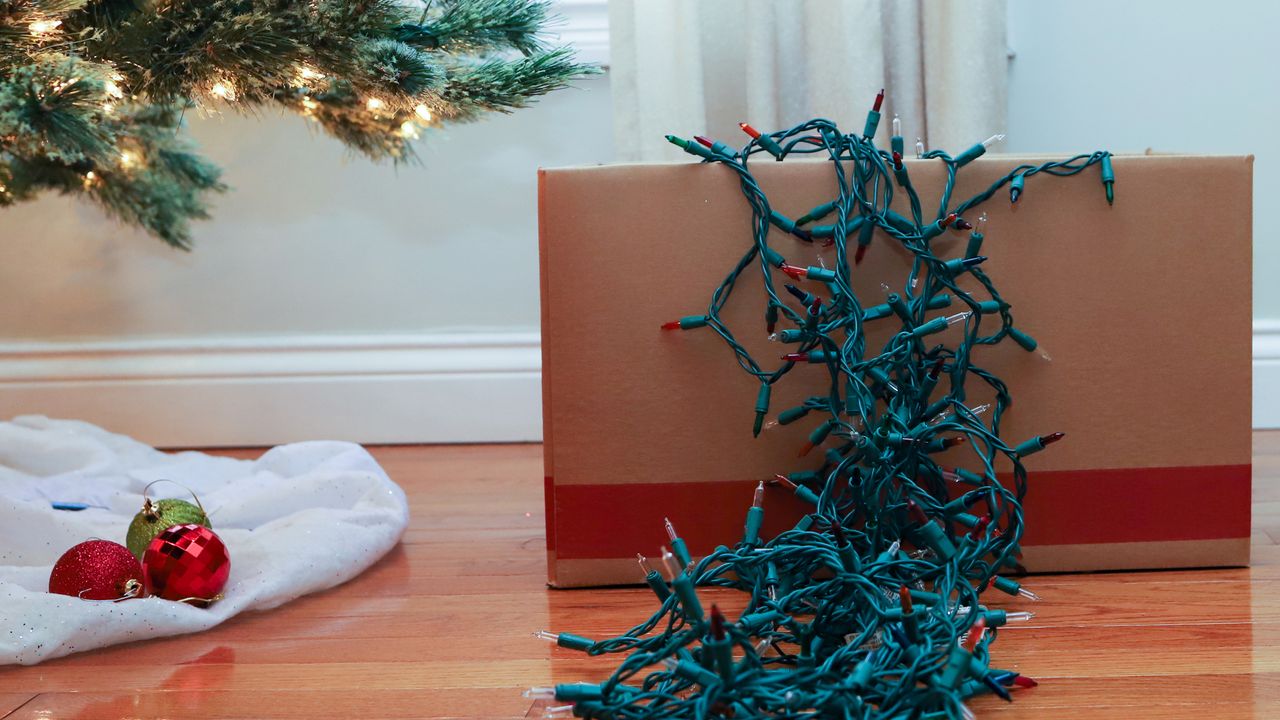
841	619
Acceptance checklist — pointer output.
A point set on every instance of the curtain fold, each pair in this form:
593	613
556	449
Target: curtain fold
686	68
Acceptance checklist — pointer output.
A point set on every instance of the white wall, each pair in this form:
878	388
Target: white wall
1171	75
311	240
1174	76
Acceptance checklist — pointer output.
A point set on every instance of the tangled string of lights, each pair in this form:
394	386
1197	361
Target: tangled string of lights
872	605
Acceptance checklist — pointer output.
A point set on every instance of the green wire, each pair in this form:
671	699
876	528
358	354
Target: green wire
835	643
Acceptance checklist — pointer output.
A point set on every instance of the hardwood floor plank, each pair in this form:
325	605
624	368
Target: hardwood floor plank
10	702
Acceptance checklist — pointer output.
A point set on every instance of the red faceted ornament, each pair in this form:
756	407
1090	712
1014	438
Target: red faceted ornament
97	570
186	562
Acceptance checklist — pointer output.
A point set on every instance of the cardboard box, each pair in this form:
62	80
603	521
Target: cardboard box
1144	306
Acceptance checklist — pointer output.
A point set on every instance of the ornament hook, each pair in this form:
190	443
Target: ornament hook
147	507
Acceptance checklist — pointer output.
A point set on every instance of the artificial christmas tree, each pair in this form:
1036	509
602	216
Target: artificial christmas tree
93	92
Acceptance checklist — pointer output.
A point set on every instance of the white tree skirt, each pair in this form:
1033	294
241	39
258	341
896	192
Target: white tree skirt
301	518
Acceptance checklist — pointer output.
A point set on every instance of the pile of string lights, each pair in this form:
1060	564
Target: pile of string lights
872	605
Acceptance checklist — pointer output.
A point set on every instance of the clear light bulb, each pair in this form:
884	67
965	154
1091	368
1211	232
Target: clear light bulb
43	27
547	635
919	148
897	125
374	104
558	711
424	112
958	317
224	90
671	529
645	565
981	227
673	565
992	140
540	693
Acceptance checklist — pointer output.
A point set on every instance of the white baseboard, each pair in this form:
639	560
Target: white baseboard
1266	373
230	392
438	388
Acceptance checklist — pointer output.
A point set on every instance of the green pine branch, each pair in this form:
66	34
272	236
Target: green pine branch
91	90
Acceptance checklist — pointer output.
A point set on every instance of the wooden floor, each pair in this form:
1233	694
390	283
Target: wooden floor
441	627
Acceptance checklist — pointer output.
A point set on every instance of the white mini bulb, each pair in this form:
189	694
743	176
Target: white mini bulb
540	693
992	140
43	27
897	126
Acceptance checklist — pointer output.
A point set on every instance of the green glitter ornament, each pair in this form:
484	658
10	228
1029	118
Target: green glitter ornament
160	515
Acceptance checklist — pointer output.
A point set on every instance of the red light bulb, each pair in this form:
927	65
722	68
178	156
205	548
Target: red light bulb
673	325
879	100
838	532
1051	438
974	636
897	160
860	253
1023	681
784	481
905	596
717	623
754	133
978	529
703	141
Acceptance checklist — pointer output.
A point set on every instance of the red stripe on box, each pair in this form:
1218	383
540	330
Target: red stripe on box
1064	507
549	492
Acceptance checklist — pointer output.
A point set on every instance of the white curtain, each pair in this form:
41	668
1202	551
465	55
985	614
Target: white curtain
691	67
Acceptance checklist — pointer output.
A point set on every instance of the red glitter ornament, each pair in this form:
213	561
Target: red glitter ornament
186	562
97	570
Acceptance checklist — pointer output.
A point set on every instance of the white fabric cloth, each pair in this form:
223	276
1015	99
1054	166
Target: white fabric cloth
702	67
301	518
